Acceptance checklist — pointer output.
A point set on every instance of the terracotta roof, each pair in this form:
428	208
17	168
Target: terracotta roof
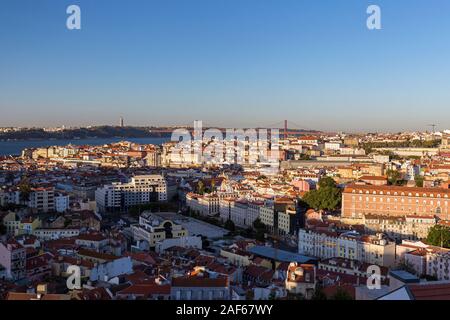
97	255
197	281
430	291
399	189
146	290
34	296
91	237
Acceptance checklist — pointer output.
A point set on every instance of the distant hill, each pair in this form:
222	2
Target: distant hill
109	132
84	133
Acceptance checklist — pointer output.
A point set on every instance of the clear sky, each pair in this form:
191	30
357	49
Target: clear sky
227	62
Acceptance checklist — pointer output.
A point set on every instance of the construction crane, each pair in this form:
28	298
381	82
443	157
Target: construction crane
433	126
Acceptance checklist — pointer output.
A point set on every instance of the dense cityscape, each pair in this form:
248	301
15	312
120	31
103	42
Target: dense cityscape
224	159
343	217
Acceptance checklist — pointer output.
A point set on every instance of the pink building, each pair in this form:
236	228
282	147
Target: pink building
13	259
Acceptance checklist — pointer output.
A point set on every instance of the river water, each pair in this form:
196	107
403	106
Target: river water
16	147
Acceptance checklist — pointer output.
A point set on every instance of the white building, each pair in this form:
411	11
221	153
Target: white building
285	221
350	245
205	205
9	197
267	217
61	203
140	190
155	227
412	227
333	145
46	234
425	259
13	259
111	269
242	212
183	242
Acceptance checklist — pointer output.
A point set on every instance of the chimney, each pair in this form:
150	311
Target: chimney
42	288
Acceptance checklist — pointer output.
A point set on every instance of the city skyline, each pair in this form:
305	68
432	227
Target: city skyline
253	154
231	64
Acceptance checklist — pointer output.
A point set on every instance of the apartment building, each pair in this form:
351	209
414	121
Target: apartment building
200	286
409	227
205	205
286	221
9	197
153	158
359	200
349	245
349	267
140	190
301	279
42	199
267	217
16	226
208	204
278	217
242	212
425	260
13	259
62	202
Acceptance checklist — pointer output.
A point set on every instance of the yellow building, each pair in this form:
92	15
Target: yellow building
156	227
16	227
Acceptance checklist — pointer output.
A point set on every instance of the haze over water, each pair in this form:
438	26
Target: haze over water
16	147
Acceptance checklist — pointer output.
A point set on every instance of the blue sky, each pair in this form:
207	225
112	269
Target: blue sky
227	62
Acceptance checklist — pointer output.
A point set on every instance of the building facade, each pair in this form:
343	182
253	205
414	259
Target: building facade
140	190
358	200
349	245
154	228
42	199
13	259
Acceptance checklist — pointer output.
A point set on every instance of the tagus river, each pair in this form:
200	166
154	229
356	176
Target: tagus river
16	147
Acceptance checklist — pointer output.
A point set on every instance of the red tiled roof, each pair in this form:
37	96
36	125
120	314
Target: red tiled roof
146	290
196	281
430	291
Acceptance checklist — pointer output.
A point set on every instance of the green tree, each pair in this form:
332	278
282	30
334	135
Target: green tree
319	295
341	294
304	156
2	229
229	225
205	242
260	235
257	224
393	176
260	230
9	177
419	180
200	187
327	197
439	235
25	190
327	182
